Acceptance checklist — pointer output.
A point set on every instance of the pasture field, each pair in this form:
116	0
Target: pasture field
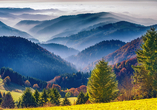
143	104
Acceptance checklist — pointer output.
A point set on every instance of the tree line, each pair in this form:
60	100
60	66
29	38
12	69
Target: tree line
103	86
8	73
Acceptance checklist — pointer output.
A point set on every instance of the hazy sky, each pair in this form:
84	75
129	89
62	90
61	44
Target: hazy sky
133	8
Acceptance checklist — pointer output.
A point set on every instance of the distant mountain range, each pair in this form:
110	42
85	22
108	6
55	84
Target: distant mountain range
30	59
67	25
9	31
125	52
61	50
124	31
95	52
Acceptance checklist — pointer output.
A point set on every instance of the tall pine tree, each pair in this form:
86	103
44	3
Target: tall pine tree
146	72
36	96
27	99
8	101
102	85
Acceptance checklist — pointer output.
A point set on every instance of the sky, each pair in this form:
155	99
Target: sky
134	8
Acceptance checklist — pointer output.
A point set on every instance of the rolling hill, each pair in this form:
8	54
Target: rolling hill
9	31
61	50
71	24
125	52
95	52
124	31
26	25
29	59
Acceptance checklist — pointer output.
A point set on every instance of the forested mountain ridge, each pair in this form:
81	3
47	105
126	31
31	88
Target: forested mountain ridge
9	31
125	52
61	50
95	52
29	59
124	31
70	24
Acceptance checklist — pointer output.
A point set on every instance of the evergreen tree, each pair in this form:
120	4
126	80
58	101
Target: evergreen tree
56	96
8	101
102	85
44	96
66	101
146	72
27	99
0	97
80	98
86	97
36	96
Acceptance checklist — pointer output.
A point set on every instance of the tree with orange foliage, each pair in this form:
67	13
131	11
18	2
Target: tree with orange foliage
27	83
57	87
82	88
35	86
48	85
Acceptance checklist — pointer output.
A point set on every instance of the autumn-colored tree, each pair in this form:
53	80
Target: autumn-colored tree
76	93
82	88
27	83
57	87
6	80
48	85
8	101
35	86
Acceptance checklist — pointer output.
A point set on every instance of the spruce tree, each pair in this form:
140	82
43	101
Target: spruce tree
80	98
36	96
44	96
8	101
56	96
102	85
27	99
146	72
66	101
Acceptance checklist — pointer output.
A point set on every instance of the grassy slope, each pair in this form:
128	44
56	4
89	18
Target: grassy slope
17	91
144	104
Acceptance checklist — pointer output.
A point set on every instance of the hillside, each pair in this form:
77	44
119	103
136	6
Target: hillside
61	50
124	31
95	52
125	52
29	59
142	104
71	24
9	31
26	25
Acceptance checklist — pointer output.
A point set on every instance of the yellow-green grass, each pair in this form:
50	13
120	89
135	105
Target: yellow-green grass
71	99
143	104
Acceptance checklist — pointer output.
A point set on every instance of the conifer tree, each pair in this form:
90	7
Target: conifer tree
80	98
102	85
36	96
27	99
0	97
146	72
8	101
56	96
44	96
66	101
